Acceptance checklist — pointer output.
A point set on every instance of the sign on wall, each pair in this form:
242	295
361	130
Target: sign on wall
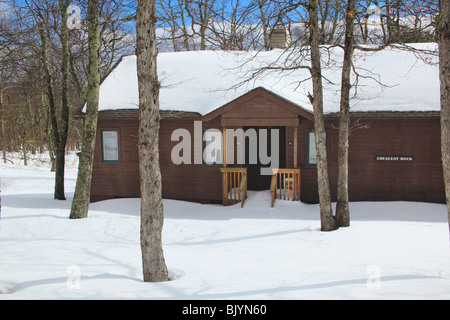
395	158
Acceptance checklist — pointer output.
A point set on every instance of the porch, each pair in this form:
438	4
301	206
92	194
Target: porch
248	165
285	184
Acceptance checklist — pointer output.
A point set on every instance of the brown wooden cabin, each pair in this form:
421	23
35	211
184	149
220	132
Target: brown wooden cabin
392	156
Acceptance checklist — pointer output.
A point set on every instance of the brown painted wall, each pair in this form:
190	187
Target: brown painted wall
419	180
369	179
110	180
196	182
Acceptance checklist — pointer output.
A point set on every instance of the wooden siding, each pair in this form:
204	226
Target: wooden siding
195	182
369	179
263	103
111	180
387	134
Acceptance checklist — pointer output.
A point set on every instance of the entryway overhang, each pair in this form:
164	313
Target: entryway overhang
260	107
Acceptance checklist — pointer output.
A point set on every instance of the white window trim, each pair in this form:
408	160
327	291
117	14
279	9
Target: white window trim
311	160
109	156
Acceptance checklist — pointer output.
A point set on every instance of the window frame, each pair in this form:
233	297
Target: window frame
308	138
215	163
118	146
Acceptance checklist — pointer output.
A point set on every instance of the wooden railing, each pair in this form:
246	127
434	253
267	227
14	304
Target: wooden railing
234	185
285	184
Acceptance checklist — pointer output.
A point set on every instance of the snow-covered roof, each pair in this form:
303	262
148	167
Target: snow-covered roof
202	81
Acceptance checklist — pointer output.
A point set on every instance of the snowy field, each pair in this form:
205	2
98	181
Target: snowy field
393	250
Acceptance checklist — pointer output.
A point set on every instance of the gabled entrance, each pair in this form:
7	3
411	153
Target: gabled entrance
266	114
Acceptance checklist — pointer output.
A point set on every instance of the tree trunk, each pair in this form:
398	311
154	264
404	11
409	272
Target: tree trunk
81	199
63	126
60	160
154	267
51	105
328	222
444	75
2	127
24	152
342	206
264	24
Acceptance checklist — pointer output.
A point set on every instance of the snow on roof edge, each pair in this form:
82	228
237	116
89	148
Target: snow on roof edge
188	83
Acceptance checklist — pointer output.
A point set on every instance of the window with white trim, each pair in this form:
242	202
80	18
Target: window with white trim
110	146
312	155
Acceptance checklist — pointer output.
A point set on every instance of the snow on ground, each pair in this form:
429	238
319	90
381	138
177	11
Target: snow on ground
392	250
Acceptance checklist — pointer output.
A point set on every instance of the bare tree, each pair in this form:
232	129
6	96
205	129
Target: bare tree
152	216
327	219
40	24
232	30
330	17
45	16
51	67
396	21
444	75
173	19
342	206
81	199
264	19
5	76
201	13
115	37
62	129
